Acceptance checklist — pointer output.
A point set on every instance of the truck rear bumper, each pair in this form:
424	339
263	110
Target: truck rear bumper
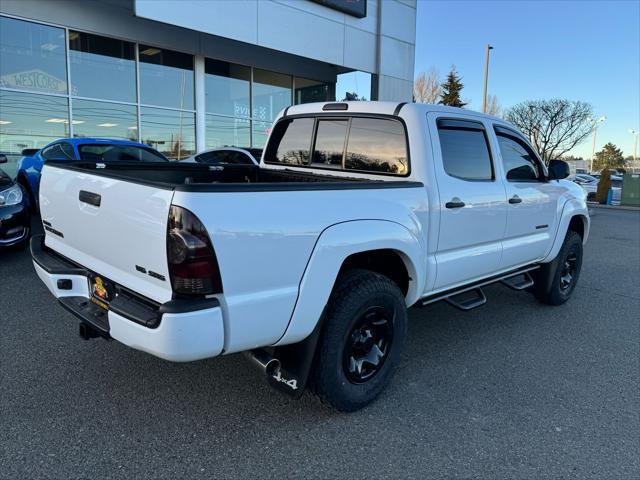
178	330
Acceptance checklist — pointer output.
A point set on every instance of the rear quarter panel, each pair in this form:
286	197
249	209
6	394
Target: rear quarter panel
263	242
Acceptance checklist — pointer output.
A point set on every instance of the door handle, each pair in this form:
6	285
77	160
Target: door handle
90	198
454	203
515	199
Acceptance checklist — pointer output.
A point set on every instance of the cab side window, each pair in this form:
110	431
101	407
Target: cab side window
519	161
465	150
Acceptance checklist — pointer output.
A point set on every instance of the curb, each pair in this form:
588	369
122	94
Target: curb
613	207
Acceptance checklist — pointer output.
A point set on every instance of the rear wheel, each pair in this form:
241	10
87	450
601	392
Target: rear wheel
363	334
556	280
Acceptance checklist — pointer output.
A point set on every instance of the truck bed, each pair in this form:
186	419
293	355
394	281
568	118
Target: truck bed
187	177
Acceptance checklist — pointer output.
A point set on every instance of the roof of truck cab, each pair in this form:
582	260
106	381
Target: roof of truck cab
384	108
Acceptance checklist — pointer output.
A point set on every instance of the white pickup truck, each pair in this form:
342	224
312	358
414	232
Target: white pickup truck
309	261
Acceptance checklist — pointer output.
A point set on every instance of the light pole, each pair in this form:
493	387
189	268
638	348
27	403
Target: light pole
595	130
486	76
635	134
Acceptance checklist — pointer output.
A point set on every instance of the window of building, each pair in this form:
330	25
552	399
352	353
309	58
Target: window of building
166	78
102	67
329	145
227	88
271	93
377	145
104	119
291	142
227	132
465	151
519	161
31	121
32	57
308	91
171	132
260	133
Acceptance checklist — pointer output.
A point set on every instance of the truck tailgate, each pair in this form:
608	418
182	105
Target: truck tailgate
114	228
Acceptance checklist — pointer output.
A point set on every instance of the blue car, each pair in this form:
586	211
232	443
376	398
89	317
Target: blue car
101	150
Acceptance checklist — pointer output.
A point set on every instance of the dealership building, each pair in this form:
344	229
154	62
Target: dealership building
184	76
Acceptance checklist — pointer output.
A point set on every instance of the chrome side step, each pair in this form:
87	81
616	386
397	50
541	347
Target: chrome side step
474	296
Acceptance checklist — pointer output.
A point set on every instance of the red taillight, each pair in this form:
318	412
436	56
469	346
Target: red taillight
193	267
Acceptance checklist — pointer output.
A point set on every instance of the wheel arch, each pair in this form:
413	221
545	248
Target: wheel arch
575	217
384	246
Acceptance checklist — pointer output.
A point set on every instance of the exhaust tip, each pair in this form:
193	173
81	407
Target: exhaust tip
265	362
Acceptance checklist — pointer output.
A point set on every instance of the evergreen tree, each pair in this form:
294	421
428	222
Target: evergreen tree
450	94
609	157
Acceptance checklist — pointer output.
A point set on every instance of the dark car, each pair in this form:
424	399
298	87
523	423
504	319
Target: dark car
227	156
14	211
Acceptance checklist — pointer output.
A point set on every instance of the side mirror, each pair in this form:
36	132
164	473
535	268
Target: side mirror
29	152
3	158
558	169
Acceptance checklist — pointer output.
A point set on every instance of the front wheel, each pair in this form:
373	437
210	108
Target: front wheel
363	334
555	281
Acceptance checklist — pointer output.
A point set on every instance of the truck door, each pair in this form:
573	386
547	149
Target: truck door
472	201
532	200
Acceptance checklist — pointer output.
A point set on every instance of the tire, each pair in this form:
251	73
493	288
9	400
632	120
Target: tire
556	281
365	319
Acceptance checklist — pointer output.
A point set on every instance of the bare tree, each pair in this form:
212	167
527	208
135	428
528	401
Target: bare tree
493	105
426	88
554	126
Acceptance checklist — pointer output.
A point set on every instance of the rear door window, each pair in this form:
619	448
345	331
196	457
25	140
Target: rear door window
377	145
465	150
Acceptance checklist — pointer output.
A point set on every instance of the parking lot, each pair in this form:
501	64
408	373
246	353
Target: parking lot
514	389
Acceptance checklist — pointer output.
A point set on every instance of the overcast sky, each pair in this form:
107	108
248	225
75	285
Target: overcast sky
580	50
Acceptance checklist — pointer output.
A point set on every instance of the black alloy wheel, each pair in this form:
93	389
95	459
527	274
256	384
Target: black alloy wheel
368	344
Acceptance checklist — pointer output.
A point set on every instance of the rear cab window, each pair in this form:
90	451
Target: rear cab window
363	144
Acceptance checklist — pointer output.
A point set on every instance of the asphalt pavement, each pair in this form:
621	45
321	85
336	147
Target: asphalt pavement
514	389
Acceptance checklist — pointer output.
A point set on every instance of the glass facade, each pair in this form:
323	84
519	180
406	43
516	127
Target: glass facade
104	119
166	78
102	67
57	82
31	121
309	91
33	57
171	132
